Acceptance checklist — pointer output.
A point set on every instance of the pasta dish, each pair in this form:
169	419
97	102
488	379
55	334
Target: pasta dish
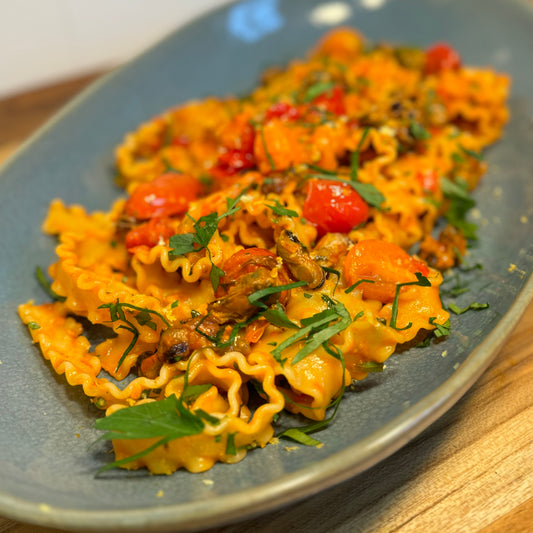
270	250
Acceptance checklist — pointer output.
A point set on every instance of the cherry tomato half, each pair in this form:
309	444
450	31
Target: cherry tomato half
384	263
333	207
441	56
331	101
282	110
167	195
149	233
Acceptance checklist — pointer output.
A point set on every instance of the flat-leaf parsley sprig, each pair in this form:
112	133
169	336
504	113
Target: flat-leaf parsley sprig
143	317
204	230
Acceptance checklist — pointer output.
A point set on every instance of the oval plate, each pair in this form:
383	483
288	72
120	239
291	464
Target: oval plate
47	462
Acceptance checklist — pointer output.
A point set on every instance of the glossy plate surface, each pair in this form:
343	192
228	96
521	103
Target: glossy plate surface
47	463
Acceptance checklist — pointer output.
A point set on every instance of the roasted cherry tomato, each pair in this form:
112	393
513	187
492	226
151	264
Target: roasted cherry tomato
333	207
331	101
383	263
441	56
282	110
239	155
428	179
167	195
149	233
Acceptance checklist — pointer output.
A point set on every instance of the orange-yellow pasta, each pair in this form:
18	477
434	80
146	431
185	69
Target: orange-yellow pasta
259	262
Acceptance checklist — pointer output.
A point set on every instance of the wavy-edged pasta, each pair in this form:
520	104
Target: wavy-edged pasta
262	259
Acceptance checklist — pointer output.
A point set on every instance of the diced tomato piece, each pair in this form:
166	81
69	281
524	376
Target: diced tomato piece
441	56
149	233
333	207
428	179
282	110
385	264
332	101
238	157
167	195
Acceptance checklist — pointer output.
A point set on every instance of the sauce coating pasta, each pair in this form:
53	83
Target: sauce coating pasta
262	259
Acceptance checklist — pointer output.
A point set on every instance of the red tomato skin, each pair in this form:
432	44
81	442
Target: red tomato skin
282	110
148	233
332	101
428	179
441	56
167	195
333	207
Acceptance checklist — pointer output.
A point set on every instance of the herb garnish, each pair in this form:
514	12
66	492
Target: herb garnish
279	209
315	331
460	203
356	284
314	91
354	158
168	419
418	131
475	306
205	228
143	318
46	285
422	281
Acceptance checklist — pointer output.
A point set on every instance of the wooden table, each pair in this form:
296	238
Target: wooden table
471	471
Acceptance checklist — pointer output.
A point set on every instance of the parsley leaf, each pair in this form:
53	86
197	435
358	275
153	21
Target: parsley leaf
314	91
279	209
354	158
418	131
422	281
168	419
46	285
475	306
460	203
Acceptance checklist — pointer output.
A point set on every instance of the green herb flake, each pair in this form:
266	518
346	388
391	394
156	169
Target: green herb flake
279	209
46	285
441	330
33	325
474	306
354	158
316	90
418	131
167	420
299	436
371	366
230	444
422	281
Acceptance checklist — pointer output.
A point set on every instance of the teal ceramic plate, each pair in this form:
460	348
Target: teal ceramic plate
47	463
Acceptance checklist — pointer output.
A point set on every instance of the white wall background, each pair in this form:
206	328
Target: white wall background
45	41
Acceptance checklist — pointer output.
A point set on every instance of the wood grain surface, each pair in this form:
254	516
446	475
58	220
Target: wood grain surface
471	471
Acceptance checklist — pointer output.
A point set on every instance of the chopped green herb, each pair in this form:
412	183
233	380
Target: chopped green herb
34	325
307	295
351	288
422	281
370	194
314	91
475	306
460	203
230	444
174	304
354	158
167	419
371	366
418	131
441	330
471	153
205	228
336	273
279	209
46	285
299	436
